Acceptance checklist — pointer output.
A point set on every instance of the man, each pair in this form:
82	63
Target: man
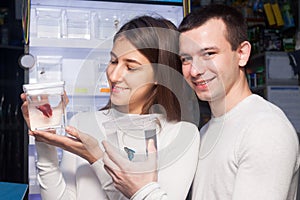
249	149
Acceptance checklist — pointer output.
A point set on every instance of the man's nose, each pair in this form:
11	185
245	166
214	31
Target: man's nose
197	68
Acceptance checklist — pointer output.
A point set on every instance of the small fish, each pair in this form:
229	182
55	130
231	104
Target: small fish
45	109
130	153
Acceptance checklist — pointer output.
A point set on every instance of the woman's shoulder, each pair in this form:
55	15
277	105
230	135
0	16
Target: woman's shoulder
102	115
182	136
180	129
184	126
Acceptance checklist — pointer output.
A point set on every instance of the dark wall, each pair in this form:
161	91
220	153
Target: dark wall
13	139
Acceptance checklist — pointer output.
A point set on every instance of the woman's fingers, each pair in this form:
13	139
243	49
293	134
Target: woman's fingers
89	143
151	146
65	98
109	158
72	131
114	155
23	96
24	109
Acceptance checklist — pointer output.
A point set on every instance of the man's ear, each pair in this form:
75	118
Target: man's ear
244	52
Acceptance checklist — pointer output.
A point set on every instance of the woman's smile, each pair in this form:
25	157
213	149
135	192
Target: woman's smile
118	89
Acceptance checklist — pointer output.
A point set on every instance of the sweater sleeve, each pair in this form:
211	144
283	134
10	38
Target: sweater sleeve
57	181
268	156
106	181
51	180
151	191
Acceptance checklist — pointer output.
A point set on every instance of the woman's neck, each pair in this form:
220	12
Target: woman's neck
127	109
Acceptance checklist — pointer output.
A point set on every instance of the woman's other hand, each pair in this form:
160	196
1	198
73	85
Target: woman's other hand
129	177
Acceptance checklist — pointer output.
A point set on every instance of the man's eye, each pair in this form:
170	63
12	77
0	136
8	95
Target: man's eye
186	60
208	54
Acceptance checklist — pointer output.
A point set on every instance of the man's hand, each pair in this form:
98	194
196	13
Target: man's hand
129	177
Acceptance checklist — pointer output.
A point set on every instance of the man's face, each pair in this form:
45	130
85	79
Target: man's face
209	65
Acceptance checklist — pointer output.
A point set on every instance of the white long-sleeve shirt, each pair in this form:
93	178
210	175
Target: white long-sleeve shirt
75	178
250	153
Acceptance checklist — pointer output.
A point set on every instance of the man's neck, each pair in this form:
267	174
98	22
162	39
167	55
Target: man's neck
223	105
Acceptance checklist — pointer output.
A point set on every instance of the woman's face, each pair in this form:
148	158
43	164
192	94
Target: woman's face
130	76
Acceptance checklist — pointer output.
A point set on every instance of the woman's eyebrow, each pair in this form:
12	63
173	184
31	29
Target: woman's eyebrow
133	61
113	54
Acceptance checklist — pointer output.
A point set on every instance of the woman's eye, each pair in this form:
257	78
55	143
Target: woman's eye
130	68
113	62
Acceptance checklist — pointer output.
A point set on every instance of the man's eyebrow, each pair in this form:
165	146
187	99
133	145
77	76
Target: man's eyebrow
208	48
200	51
212	48
184	54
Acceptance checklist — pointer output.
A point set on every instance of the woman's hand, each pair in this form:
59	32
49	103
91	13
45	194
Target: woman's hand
129	177
78	143
24	109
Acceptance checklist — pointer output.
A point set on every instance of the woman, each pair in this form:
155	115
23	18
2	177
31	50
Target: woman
145	79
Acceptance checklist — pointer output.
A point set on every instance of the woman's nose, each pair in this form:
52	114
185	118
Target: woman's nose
115	74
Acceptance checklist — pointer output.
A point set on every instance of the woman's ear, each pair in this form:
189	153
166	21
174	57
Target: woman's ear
244	52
